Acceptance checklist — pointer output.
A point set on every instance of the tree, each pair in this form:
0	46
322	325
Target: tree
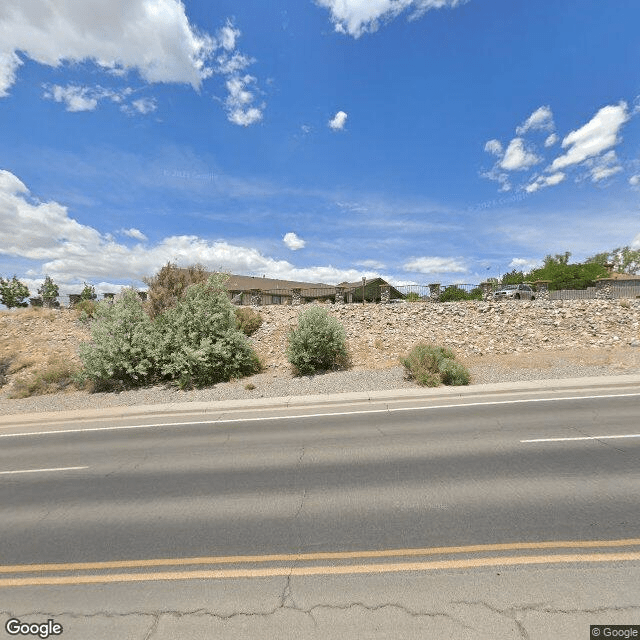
88	293
48	291
513	277
169	285
13	293
623	259
562	275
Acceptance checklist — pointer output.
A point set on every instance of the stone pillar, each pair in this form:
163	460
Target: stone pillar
487	290
296	297
434	292
256	297
74	298
604	289
339	299
385	293
542	289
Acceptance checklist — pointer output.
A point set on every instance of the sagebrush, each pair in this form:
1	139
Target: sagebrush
248	320
430	365
194	343
318	343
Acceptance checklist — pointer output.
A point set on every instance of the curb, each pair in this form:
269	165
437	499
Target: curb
358	398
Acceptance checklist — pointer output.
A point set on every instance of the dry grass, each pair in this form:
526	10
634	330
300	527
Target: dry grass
57	375
29	313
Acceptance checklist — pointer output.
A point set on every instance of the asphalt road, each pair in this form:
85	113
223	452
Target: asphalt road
342	499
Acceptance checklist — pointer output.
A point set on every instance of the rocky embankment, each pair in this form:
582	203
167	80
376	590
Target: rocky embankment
492	339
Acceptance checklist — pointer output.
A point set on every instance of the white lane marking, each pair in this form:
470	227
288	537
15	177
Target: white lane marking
314	415
630	435
4	473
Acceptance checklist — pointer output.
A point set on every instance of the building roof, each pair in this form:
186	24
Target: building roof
246	283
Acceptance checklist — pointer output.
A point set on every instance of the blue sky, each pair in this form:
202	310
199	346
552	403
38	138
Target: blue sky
420	140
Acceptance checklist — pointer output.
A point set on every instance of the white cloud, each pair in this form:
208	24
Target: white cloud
338	121
435	265
551	140
240	109
355	17
540	120
371	264
133	233
493	146
293	241
72	252
498	176
145	105
598	135
634	181
517	157
545	181
153	37
79	98
603	166
524	264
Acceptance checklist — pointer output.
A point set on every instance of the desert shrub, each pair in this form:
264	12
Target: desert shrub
198	339
248	320
13	293
169	285
56	375
5	363
86	309
430	365
453	373
318	343
412	297
121	349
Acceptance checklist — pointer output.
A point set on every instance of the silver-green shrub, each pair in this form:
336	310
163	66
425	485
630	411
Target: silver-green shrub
123	340
318	343
198	339
430	365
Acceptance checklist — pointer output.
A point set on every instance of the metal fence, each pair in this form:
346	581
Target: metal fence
615	291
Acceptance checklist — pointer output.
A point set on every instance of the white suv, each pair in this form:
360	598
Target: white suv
515	292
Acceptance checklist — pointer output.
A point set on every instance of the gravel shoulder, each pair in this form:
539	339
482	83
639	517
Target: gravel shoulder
543	365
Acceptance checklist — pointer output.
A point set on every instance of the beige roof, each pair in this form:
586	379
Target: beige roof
246	283
614	275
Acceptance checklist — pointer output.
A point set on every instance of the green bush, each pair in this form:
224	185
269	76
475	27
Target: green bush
412	296
122	349
430	365
455	293
248	320
198	340
13	293
88	292
318	343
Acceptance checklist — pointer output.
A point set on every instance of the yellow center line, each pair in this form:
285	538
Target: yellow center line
322	570
325	555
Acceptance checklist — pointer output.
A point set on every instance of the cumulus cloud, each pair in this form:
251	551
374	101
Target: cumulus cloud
435	265
371	264
540	120
293	241
551	140
598	135
494	147
134	233
338	121
517	157
634	180
603	167
355	17
239	102
152	37
545	181
72	252
78	98
524	264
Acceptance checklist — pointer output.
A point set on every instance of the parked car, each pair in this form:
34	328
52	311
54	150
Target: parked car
515	292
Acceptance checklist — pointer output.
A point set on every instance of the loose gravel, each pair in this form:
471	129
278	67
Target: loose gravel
270	385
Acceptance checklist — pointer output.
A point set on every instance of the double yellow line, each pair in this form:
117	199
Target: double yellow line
290	563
